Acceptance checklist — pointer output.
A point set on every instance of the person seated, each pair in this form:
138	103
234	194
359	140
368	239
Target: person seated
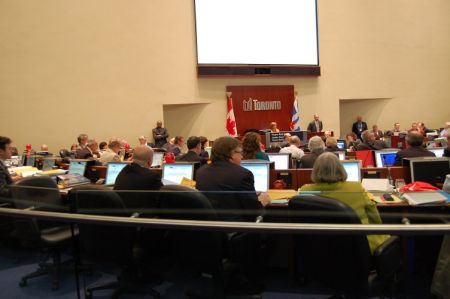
82	141
447	149
176	147
422	128
414	128
90	151
251	145
103	146
369	142
331	145
286	140
204	141
395	131
44	151
5	178
112	153
446	130
316	148
414	148
194	146
142	140
294	148
274	128
329	177
351	141
377	133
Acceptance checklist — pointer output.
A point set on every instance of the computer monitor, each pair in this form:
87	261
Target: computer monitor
77	166
341	144
157	159
438	151
48	163
112	171
385	158
429	169
353	169
282	160
175	172
341	155
260	172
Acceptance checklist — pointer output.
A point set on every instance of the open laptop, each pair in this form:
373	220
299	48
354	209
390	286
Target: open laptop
341	144
353	169
282	160
173	173
157	159
385	158
112	171
77	167
48	163
260	172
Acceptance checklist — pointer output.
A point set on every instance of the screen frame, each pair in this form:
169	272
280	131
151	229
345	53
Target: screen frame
165	165
353	162
266	164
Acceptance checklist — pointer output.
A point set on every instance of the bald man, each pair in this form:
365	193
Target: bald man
138	176
316	125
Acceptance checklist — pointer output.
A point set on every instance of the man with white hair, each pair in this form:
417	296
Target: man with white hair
293	148
316	147
446	130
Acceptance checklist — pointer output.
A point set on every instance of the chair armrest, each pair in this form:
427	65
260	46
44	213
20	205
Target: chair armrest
388	257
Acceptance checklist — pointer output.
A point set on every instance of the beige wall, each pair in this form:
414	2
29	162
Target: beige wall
107	67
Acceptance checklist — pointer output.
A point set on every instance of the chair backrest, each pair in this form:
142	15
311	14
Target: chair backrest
38	191
340	261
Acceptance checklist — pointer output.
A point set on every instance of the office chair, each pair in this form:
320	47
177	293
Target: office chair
341	262
201	251
41	193
110	244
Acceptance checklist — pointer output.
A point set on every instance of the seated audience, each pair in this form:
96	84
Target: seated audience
286	140
138	176
82	141
414	148
422	128
142	140
395	131
204	142
177	146
294	148
447	149
414	128
44	151
274	128
316	147
377	133
331	145
446	130
351	141
194	146
90	151
329	177
5	177
369	142
251	146
103	146
112	153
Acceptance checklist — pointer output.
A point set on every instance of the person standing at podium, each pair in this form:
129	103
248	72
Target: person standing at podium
316	125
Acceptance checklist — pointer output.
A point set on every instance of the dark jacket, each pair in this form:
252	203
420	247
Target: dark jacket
307	161
5	180
312	126
412	152
191	156
356	130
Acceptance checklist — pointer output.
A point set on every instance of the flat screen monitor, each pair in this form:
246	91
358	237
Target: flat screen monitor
438	151
341	144
353	169
77	167
385	158
112	171
341	155
260	172
282	160
175	172
429	169
157	159
48	163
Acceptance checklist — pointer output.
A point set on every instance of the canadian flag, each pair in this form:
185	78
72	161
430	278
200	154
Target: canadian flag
231	121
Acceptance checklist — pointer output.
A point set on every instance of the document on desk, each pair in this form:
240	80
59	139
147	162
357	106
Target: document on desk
377	185
421	198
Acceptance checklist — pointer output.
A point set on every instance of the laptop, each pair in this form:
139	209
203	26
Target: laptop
353	169
341	144
173	173
260	172
157	159
385	158
282	160
48	164
112	171
77	167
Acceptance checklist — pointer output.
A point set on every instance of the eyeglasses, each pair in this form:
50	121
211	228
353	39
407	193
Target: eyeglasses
238	152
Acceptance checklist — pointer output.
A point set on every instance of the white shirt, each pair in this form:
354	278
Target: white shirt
295	152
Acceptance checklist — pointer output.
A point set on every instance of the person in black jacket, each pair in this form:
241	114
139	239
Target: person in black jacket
139	176
5	177
359	126
317	147
414	148
194	146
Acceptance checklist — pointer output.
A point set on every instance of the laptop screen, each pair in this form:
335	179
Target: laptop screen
31	160
385	158
341	144
48	164
353	169
260	173
157	159
112	171
175	172
438	151
78	167
282	161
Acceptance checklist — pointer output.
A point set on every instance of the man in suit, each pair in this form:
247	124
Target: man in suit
226	174
370	142
414	148
90	151
160	135
316	125
5	177
177	147
139	176
377	133
316	147
194	146
359	126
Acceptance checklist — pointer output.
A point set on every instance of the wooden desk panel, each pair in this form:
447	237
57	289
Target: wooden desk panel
304	176
274	175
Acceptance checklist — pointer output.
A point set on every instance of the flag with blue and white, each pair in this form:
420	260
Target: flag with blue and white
295	120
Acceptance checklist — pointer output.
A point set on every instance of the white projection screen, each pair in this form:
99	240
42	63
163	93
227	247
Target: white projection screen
256	32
